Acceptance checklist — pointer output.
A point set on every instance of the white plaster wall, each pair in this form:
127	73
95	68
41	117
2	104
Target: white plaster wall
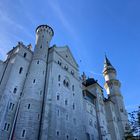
14	80
52	122
33	92
112	120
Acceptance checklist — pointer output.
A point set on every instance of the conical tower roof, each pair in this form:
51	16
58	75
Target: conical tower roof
107	65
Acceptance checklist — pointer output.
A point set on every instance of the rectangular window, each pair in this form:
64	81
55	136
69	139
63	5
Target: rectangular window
6	126
58	112
34	81
58	97
57	133
15	90
38	117
28	106
11	106
66	102
88	136
23	133
24	55
20	70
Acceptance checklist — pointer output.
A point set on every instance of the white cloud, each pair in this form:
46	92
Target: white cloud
60	14
7	19
95	73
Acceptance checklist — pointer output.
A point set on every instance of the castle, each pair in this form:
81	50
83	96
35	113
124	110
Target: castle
42	96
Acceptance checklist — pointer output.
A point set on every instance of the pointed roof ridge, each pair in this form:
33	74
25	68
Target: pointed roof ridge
106	61
107	64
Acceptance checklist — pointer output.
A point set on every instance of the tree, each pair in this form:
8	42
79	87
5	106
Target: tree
134	121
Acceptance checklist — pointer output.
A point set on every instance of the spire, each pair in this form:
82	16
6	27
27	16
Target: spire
106	62
108	65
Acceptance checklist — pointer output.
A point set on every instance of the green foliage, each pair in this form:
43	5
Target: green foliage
134	121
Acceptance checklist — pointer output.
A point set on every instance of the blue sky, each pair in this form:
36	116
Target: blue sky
89	27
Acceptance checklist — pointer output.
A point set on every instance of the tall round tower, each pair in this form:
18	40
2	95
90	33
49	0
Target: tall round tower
28	120
112	86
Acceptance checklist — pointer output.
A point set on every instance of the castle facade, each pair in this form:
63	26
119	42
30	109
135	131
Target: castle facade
42	96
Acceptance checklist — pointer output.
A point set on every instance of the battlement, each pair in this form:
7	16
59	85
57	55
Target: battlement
46	28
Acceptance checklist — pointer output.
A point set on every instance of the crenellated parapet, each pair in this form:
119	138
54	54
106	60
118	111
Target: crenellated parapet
45	28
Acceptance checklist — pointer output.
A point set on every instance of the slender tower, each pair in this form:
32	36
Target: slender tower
112	86
28	119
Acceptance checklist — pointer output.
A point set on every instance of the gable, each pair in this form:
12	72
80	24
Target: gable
67	55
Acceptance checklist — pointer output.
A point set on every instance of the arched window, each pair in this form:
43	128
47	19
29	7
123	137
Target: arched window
66	82
66	67
20	70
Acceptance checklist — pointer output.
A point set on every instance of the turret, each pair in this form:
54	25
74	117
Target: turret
44	34
29	115
109	71
112	86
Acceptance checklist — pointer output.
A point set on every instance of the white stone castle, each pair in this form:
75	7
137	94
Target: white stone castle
42	96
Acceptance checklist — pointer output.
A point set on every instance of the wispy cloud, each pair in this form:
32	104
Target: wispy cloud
65	22
132	107
95	73
7	19
2	53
